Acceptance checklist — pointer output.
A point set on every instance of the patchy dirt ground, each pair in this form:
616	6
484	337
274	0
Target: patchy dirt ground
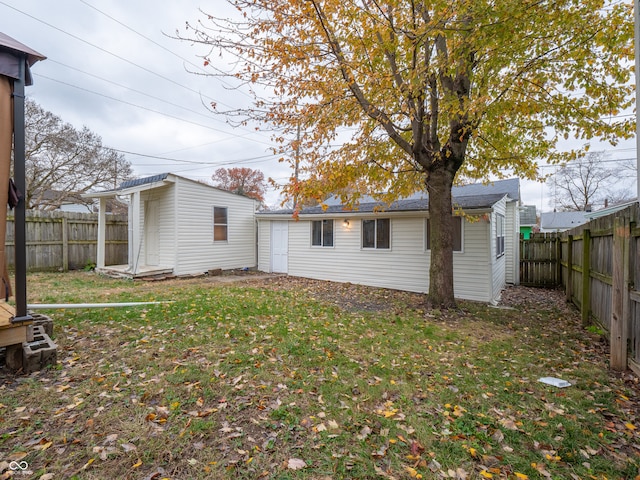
349	296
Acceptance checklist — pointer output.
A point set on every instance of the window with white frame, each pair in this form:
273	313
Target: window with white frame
220	224
322	233
457	234
376	233
499	235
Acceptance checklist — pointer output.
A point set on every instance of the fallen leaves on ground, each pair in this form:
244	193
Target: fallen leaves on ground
294	377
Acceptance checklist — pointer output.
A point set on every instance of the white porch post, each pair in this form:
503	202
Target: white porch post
102	233
134	231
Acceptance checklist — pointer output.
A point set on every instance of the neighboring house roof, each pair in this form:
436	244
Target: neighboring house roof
60	200
54	196
562	220
474	196
528	216
609	210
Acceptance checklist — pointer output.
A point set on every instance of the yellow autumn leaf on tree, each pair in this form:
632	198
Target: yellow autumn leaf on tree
425	94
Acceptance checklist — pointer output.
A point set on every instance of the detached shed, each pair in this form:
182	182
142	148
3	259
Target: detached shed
388	245
182	227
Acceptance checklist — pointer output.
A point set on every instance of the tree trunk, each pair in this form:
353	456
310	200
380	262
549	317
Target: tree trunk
439	186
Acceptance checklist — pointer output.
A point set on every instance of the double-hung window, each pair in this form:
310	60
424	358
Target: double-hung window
376	233
499	235
220	224
322	233
457	234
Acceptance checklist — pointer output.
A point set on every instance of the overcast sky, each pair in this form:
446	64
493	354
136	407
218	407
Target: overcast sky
112	67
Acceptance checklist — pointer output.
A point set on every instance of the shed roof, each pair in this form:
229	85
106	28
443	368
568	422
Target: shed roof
149	183
137	182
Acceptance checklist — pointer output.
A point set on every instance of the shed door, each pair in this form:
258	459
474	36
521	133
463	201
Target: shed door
151	233
279	246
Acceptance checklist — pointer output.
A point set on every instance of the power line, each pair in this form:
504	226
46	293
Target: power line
148	109
114	54
193	162
199	67
98	77
575	162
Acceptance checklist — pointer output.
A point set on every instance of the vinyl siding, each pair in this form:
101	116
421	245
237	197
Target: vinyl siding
512	243
194	249
471	267
498	270
164	199
405	266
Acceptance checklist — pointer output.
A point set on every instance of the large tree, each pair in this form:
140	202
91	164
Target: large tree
591	181
396	96
242	180
62	161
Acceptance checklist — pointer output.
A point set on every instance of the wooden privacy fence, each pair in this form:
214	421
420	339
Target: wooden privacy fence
540	260
598	267
61	241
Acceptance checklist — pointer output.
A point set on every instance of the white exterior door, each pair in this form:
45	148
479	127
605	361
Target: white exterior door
279	247
151	233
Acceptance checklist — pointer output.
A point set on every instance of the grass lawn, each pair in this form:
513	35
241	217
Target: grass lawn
287	379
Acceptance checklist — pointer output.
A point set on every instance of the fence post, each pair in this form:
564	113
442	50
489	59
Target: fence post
585	304
65	245
558	261
569	285
620	293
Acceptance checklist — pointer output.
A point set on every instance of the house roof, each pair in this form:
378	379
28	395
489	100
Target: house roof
562	220
135	185
149	183
137	182
528	216
50	195
473	196
609	210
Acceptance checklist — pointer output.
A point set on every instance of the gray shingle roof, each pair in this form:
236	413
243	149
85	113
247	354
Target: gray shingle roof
466	197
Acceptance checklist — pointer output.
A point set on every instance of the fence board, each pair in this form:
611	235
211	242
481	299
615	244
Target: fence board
587	266
538	260
67	240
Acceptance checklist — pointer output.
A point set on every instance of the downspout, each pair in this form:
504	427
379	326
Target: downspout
492	254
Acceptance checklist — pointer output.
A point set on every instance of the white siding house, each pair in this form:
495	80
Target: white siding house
389	247
182	227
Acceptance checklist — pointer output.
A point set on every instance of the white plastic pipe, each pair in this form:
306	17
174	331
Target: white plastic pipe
56	306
